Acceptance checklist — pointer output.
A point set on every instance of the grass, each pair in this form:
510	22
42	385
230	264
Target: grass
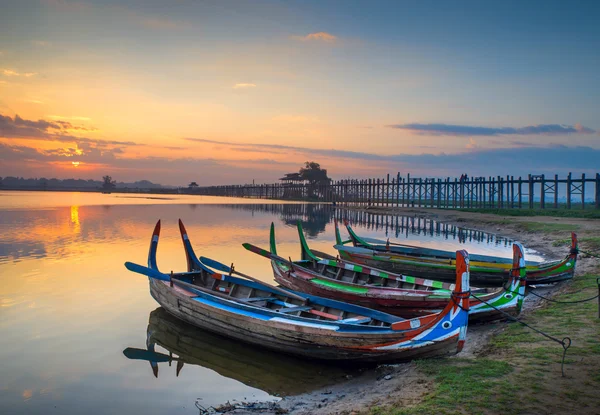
589	244
461	382
519	356
590	213
546	227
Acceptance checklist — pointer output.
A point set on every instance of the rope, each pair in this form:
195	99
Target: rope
567	302
589	253
565	342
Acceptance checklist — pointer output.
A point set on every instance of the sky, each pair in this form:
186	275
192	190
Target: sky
230	92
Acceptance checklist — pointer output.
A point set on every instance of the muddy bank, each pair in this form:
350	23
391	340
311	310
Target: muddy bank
402	384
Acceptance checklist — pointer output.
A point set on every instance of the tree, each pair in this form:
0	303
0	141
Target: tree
314	175
193	185
109	183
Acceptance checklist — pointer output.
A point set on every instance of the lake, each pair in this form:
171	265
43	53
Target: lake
68	306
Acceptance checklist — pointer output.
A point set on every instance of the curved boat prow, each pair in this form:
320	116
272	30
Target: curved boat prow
574	249
518	275
338	237
272	243
461	294
305	252
192	260
154	247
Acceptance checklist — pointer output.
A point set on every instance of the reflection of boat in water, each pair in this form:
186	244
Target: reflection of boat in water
273	373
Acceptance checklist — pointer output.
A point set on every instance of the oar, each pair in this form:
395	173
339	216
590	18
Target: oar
143	354
149	272
224	268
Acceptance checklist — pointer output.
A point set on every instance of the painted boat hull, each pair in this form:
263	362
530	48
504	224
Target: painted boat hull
426	263
308	342
482	277
400	303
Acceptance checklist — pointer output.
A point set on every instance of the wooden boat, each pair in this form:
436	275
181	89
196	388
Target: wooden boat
307	325
420	264
274	373
396	294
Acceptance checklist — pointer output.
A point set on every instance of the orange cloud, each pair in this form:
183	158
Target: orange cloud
10	72
318	36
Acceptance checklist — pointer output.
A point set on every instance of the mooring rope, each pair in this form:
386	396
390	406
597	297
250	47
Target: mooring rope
589	253
565	342
571	302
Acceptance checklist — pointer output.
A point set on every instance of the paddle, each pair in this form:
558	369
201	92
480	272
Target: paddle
224	268
143	354
149	272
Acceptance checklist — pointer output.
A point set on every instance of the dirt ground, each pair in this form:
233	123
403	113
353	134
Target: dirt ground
402	384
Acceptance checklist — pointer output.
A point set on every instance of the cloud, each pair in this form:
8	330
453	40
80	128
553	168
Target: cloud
40	43
472	144
244	86
10	72
71	117
467	130
33	101
18	127
317	37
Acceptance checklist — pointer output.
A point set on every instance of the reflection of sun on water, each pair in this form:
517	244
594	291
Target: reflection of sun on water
75	218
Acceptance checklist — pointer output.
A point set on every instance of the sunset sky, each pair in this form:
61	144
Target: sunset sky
224	92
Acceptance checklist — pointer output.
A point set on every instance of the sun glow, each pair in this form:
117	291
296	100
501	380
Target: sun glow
75	163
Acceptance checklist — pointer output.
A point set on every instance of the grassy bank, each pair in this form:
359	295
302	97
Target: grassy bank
589	213
520	371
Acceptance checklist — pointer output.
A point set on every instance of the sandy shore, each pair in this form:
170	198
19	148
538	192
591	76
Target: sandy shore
402	384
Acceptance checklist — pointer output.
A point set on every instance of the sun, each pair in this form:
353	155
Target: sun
75	163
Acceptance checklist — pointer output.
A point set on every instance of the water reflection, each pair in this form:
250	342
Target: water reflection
50	232
274	373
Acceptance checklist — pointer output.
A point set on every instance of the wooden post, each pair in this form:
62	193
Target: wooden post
455	193
397	189
598	204
439	193
431	191
447	192
530	192
569	191
583	191
420	190
543	192
512	191
556	191
408	197
387	191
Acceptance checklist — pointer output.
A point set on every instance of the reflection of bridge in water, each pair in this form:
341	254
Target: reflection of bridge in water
315	217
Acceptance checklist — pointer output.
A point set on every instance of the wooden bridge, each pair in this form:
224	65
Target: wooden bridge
537	191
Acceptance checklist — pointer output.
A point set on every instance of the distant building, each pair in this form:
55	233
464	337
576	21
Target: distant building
290	178
293	186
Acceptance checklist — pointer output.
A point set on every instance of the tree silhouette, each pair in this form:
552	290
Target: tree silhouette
193	185
314	175
109	183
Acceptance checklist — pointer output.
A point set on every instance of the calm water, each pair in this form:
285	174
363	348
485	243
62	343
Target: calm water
68	307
